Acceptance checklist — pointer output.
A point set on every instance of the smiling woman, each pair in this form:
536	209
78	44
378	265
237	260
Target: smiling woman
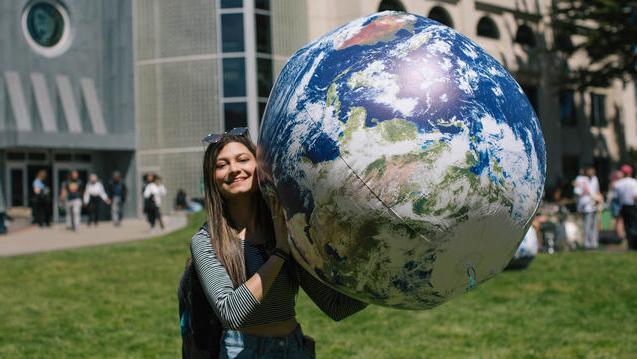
242	260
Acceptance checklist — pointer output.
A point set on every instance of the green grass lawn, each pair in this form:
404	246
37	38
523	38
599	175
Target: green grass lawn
119	301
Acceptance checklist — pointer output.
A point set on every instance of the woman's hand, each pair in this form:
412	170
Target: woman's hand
278	220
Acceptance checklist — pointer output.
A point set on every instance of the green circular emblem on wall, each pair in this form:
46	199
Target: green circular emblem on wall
45	24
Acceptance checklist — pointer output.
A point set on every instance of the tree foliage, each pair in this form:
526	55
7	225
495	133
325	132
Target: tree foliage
606	30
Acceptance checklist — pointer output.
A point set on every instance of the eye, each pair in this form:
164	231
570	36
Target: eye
220	165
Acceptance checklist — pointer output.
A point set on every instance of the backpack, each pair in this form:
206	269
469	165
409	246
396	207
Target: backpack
149	204
200	328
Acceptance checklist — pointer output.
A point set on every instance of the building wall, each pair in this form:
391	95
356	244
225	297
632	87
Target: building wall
177	89
99	54
77	100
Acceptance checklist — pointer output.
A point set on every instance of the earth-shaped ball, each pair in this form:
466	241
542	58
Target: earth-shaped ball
408	160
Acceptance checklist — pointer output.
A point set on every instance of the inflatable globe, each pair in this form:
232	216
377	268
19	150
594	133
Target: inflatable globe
408	161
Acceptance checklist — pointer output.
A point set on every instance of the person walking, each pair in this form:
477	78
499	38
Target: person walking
117	192
626	191
71	198
93	194
243	262
41	199
586	188
153	194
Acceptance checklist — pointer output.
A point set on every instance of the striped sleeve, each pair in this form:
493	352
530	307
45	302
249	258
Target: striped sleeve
232	306
336	305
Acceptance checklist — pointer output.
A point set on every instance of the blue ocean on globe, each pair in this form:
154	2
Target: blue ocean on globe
408	160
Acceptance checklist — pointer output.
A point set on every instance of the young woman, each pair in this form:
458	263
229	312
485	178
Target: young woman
243	261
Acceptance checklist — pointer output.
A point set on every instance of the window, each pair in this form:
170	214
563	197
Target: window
262	4
264	76
234	77
563	41
225	4
598	110
16	156
441	15
46	27
531	94
391	5
488	28
263	34
16	177
567	108
236	114
262	106
525	36
232	32
83	157
45	23
63	157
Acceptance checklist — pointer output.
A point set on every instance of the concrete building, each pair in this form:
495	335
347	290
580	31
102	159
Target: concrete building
66	99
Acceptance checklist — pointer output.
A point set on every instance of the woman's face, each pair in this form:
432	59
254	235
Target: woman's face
234	170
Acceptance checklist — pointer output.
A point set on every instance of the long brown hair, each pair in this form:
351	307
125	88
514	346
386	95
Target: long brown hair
223	236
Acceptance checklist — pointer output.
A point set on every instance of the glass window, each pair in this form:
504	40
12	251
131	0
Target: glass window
441	15
263	34
63	157
488	28
16	156
563	41
567	108
232	32
235	114
225	4
45	24
261	110
262	4
531	94
264	76
234	77
525	36
83	157
598	107
17	187
392	5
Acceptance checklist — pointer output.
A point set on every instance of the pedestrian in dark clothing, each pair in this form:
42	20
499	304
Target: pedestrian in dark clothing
626	190
117	191
41	200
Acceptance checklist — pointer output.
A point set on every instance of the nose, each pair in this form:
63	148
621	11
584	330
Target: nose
234	168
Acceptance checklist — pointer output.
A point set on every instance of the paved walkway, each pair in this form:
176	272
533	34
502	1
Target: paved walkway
34	239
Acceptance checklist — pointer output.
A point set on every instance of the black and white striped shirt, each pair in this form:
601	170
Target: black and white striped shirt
238	308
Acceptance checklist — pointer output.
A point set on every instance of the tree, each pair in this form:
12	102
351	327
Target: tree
608	33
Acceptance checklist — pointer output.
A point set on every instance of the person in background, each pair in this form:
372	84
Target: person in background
586	188
71	197
181	200
153	193
41	198
614	203
626	190
93	194
117	193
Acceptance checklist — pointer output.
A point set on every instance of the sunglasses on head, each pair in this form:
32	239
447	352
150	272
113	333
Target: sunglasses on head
216	137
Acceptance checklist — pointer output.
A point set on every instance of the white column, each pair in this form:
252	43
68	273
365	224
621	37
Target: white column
249	36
